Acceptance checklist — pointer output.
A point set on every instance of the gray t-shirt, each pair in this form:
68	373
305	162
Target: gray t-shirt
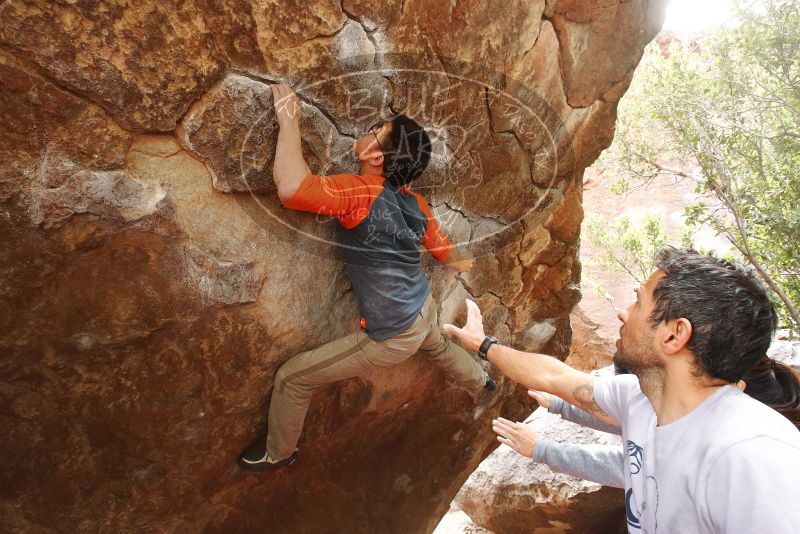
730	465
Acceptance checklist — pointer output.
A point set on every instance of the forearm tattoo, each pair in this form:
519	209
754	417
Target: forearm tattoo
584	394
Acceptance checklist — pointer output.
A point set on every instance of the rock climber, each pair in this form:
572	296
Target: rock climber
382	225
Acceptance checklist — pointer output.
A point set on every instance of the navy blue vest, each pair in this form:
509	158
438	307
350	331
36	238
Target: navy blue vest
384	261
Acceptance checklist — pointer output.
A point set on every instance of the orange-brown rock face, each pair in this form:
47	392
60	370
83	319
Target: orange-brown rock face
151	283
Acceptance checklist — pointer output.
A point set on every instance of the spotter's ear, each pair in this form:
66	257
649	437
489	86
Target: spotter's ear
676	335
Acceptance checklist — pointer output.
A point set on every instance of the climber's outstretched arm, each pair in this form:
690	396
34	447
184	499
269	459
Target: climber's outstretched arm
439	244
289	167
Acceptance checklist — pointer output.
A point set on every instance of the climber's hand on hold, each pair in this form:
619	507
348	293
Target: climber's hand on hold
287	106
518	436
471	335
460	260
461	266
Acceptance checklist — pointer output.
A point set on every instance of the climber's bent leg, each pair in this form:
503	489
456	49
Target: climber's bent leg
296	381
299	377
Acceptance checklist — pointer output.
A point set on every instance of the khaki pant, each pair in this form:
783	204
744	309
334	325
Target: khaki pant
353	355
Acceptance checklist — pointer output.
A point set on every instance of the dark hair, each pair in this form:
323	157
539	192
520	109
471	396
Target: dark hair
406	152
732	317
776	385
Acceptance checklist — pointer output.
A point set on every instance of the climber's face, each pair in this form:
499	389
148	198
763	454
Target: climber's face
369	147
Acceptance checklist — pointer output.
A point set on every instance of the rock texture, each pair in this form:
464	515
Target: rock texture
511	494
456	521
151	283
592	347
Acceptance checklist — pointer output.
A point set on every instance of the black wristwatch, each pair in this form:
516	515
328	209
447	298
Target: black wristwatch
484	348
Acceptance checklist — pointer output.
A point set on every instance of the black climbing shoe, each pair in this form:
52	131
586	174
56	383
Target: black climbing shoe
258	460
490	384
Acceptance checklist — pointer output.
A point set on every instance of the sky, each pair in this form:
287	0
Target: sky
692	16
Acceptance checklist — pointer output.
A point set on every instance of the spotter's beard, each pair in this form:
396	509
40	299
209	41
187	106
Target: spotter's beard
636	355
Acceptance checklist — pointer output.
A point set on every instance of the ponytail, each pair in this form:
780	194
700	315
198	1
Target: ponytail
776	385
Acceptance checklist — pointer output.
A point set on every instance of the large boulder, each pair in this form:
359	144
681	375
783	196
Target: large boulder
511	494
144	63
151	283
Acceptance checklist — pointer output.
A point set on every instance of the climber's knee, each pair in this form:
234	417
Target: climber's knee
437	348
280	377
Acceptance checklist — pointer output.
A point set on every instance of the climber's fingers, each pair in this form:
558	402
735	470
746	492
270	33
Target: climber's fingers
279	91
286	104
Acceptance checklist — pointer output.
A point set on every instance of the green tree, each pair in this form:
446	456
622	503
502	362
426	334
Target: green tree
728	110
627	247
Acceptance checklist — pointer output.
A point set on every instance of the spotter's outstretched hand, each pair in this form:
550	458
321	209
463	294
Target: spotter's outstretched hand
471	335
518	436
